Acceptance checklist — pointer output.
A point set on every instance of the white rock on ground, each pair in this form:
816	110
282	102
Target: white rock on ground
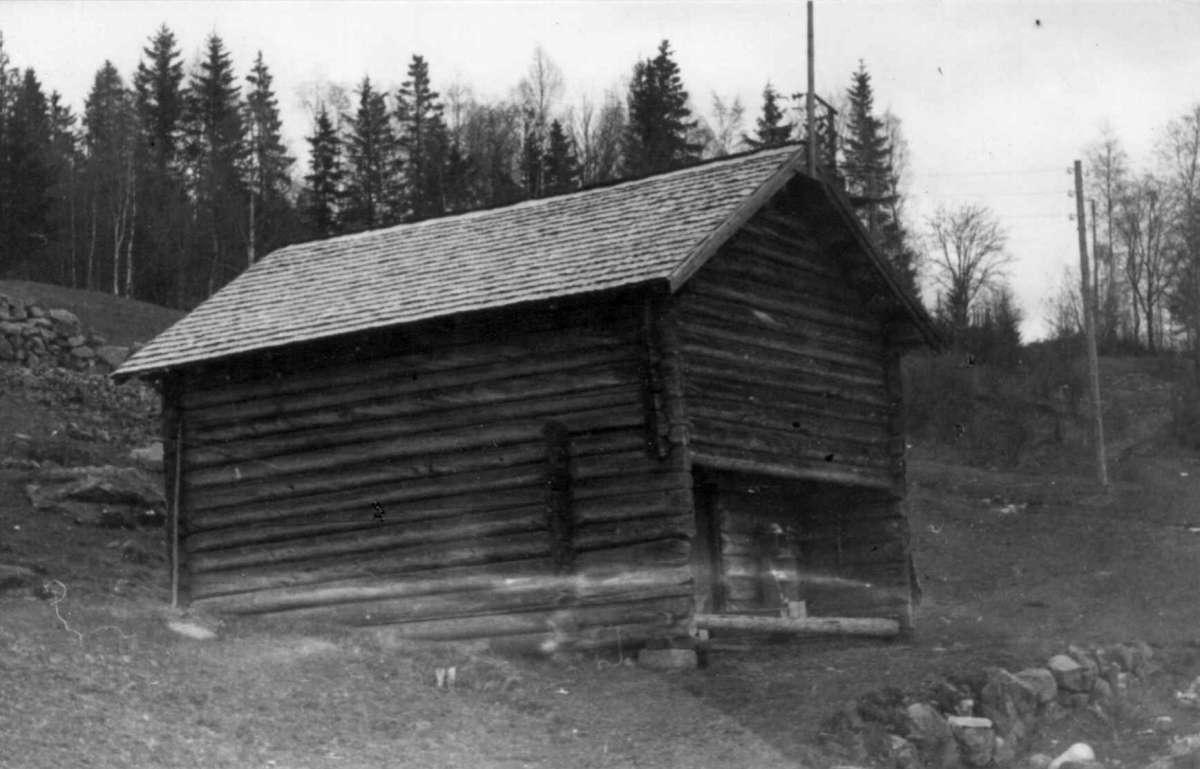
976	739
1042	682
926	724
191	629
1079	753
1068	673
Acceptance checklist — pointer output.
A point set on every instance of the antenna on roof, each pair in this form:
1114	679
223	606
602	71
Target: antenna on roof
810	104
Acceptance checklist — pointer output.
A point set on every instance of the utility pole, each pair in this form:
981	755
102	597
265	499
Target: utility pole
1095	272
810	104
1087	296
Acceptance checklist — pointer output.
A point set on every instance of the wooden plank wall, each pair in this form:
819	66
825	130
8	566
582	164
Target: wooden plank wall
483	479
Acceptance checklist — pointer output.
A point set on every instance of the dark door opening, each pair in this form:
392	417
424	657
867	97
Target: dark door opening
764	542
747	553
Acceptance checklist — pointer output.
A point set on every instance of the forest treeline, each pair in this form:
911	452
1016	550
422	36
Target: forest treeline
171	181
1144	229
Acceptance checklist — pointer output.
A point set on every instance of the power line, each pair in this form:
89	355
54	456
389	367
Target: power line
1014	172
1034	193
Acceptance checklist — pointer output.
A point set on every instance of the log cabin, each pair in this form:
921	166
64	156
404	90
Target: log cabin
585	418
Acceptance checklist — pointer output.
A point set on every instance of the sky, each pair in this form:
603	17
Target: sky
996	99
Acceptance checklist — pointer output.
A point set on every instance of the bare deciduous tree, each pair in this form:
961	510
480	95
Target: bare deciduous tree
541	88
1107	174
1143	224
459	100
597	137
726	127
969	257
1179	154
1064	310
317	95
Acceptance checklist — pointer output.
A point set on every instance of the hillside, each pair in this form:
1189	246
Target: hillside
119	320
1016	562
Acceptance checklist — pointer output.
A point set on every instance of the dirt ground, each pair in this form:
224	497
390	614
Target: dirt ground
1013	567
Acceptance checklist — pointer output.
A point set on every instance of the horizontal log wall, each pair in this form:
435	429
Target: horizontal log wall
795	413
487	478
785	367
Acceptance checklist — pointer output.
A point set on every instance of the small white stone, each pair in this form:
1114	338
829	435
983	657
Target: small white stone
191	630
1079	753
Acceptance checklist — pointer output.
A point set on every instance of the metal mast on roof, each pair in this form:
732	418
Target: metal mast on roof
810	104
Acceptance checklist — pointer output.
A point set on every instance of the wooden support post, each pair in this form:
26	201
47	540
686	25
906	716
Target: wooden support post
559	519
897	422
657	427
678	427
675	429
1090	330
173	462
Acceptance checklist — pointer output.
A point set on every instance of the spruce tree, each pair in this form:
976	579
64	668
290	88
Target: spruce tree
656	136
26	163
269	167
872	181
9	85
374	181
322	198
110	142
158	87
770	130
867	154
532	158
896	245
460	171
561	169
65	161
158	84
216	153
423	138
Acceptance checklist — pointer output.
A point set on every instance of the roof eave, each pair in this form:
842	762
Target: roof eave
915	311
162	371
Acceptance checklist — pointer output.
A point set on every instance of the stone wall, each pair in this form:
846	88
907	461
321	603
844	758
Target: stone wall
993	718
34	336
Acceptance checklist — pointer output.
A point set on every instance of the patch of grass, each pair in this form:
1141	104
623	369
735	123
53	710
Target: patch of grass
1185	414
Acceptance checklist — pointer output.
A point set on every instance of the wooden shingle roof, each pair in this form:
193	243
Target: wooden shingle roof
656	229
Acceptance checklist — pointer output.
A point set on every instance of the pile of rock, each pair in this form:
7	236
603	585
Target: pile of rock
113	497
35	336
990	722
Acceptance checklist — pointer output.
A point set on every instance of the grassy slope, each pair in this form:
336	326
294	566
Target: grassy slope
120	321
1001	588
